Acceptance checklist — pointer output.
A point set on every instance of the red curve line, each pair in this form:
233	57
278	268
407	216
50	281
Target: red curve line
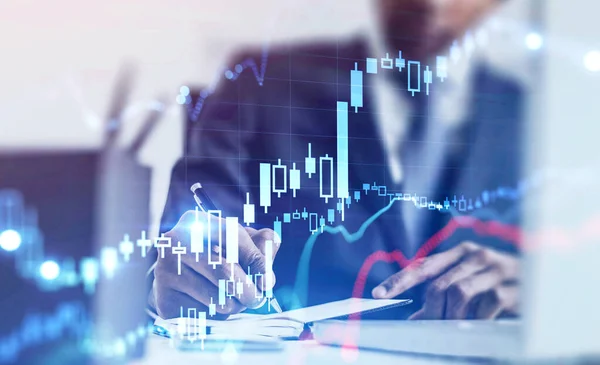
506	232
553	237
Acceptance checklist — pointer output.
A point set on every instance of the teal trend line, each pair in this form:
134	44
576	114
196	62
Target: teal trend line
302	275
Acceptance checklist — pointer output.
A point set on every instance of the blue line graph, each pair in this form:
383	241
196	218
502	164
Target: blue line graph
511	194
456	204
303	272
69	321
69	318
258	69
302	276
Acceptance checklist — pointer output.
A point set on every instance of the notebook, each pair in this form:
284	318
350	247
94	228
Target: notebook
286	325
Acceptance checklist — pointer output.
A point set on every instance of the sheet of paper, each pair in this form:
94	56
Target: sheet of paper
336	309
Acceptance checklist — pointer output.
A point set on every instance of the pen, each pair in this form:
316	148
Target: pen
206	204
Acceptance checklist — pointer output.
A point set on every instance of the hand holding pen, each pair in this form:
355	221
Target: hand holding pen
206	204
195	284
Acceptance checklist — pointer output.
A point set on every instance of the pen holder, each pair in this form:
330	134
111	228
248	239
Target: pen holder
120	322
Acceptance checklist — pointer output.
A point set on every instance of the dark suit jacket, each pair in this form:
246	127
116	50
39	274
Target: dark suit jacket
243	124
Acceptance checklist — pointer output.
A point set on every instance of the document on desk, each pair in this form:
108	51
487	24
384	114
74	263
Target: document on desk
289	324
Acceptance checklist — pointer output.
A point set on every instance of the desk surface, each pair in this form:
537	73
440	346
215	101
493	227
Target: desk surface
160	350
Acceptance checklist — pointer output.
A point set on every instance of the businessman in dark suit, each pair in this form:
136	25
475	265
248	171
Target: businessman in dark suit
410	146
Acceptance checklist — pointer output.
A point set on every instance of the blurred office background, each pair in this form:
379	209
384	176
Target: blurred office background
60	60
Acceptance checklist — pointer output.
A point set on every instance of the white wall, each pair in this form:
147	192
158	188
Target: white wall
60	58
563	316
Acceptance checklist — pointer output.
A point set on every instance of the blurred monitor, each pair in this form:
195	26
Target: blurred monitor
48	199
57	210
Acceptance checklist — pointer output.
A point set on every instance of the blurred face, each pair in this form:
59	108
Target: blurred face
423	28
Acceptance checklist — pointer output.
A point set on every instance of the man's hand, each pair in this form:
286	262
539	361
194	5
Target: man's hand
468	281
199	281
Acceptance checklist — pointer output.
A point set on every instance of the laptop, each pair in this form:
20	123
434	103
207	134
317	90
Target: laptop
560	315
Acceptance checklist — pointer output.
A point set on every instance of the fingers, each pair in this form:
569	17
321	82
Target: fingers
215	273
436	293
201	282
251	243
261	237
251	231
195	286
252	255
503	299
205	291
169	302
250	297
421	271
248	255
197	279
481	286
467	280
490	305
461	294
